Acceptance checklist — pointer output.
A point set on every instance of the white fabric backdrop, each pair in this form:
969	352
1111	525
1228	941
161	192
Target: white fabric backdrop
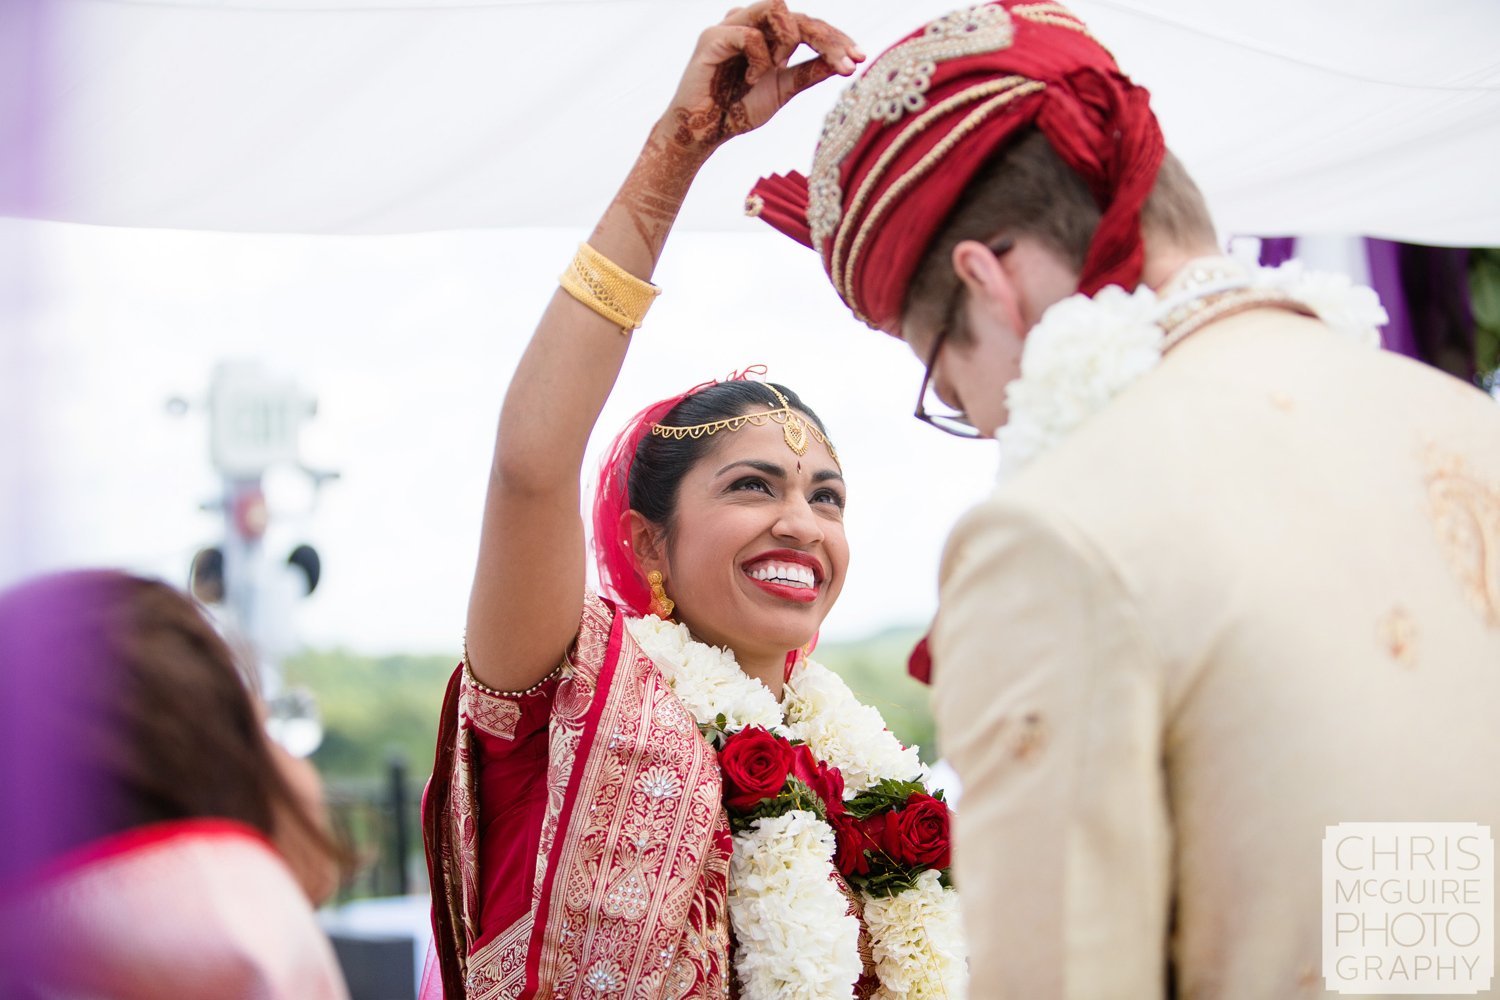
377	116
274	116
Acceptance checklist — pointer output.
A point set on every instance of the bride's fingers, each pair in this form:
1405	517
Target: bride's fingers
719	44
829	42
758	56
775	22
793	80
747	16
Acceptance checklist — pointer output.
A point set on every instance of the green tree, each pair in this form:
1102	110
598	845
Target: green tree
1484	296
375	706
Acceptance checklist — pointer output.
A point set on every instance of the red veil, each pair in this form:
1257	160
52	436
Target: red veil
620	576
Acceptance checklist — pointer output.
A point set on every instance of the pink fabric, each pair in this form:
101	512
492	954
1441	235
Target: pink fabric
432	976
196	909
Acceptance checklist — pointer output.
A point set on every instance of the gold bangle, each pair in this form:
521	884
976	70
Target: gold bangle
608	289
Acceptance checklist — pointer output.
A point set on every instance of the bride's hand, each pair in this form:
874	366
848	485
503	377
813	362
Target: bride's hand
740	75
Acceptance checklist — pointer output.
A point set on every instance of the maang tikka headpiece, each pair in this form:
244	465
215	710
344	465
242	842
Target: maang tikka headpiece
795	429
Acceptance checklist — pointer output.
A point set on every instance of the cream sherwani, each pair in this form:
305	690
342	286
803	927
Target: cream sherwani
1257	595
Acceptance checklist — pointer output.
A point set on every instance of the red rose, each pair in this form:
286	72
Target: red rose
826	782
755	765
851	840
883	831
923	824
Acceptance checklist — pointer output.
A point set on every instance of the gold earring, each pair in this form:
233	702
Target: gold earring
661	604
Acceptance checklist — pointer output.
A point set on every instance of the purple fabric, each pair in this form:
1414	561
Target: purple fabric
55	678
54	692
1277	250
1385	261
1425	291
1435	281
39	812
24	50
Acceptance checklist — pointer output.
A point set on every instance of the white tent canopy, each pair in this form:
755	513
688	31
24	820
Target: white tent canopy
258	117
386	116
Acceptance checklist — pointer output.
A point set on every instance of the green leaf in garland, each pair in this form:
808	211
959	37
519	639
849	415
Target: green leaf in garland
887	794
794	794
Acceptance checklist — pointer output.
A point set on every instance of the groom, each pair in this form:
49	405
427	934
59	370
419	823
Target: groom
1242	580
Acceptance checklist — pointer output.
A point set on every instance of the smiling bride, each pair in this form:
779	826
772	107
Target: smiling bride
652	791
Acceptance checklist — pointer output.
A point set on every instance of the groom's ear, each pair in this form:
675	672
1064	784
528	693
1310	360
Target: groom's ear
992	286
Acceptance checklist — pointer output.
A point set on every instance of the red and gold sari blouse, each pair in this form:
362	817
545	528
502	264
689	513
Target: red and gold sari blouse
575	835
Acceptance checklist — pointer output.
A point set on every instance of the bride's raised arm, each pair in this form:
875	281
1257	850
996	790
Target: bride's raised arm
528	586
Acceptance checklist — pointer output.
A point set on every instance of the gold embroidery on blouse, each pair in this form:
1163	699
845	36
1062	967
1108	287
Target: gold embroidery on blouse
1466	514
498	718
650	769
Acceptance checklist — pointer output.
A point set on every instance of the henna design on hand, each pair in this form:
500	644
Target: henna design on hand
806	74
821	35
781	30
653	194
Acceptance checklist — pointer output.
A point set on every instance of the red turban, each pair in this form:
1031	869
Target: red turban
905	139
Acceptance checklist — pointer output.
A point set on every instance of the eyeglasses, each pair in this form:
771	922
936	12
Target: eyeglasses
939	414
944	417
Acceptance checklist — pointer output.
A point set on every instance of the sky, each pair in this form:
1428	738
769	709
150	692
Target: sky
408	342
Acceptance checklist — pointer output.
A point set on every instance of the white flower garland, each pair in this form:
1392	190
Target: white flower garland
1086	351
915	930
706	679
843	732
795	935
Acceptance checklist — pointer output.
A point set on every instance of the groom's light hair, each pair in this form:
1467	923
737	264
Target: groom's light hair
1027	189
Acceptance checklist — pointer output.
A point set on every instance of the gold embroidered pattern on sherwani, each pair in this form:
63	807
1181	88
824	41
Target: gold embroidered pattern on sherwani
1466	512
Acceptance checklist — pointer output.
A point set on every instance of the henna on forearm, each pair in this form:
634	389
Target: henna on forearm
653	193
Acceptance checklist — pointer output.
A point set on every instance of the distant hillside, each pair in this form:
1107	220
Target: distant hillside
876	669
373	706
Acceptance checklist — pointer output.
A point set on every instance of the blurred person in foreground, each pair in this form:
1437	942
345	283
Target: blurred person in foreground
653	791
157	843
1239	581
